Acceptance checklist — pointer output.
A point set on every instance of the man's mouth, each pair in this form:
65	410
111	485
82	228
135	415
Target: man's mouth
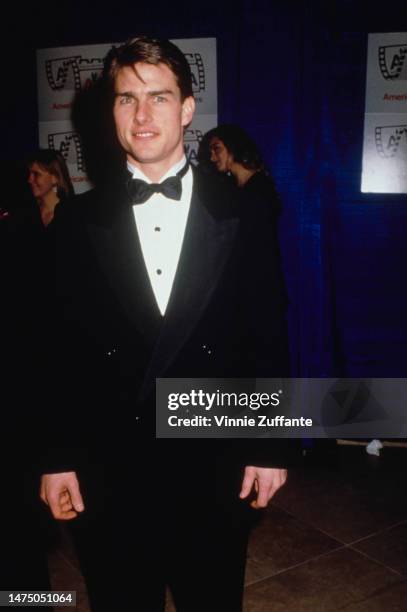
144	134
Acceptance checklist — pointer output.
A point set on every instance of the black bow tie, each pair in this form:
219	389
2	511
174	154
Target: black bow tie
140	191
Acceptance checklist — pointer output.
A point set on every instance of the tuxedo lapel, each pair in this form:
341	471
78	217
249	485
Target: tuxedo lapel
118	249
205	251
207	245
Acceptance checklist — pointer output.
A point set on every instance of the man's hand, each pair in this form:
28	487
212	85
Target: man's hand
61	493
266	481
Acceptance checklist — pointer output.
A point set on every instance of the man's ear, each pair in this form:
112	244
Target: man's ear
188	109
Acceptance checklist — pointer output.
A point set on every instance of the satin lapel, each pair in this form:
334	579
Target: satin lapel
120	256
206	249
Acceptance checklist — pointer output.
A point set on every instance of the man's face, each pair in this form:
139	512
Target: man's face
150	117
220	156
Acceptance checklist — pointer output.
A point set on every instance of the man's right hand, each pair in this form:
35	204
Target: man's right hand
62	494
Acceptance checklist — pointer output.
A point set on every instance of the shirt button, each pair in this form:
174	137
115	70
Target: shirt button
157	229
159	271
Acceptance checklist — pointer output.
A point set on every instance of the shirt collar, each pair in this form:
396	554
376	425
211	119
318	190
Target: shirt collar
137	173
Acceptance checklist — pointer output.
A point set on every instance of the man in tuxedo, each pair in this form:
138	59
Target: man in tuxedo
157	278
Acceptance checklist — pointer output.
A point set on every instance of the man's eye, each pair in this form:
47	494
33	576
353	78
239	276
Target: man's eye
126	99
160	99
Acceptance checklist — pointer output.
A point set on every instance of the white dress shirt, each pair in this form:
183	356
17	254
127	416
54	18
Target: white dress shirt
161	226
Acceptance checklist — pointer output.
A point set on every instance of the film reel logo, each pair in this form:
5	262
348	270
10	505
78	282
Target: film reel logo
192	138
197	71
393	62
72	73
69	145
389	138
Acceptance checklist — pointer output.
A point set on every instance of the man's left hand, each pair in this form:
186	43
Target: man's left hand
266	481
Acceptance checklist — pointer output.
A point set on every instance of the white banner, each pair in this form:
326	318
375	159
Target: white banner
60	136
385	134
64	72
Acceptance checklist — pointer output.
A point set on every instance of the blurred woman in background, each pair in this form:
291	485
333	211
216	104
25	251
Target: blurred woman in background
29	239
49	181
229	149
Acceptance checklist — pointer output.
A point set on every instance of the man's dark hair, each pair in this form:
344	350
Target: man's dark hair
238	143
151	51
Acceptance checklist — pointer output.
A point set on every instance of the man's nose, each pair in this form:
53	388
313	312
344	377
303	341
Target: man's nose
30	178
213	156
142	112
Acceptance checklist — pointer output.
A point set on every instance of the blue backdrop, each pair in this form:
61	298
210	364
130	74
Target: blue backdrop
293	74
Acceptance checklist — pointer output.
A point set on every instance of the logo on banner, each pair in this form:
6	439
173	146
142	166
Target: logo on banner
72	73
192	138
69	145
197	71
389	140
393	62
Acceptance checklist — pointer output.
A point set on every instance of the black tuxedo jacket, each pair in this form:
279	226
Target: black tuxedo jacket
225	318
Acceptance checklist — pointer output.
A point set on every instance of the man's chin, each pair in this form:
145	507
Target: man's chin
145	156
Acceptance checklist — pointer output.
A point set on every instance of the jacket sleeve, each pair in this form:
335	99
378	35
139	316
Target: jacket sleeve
266	304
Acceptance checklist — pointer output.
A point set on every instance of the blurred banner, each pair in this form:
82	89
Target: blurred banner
64	72
385	134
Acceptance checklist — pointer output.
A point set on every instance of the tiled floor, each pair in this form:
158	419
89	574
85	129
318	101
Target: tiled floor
335	538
